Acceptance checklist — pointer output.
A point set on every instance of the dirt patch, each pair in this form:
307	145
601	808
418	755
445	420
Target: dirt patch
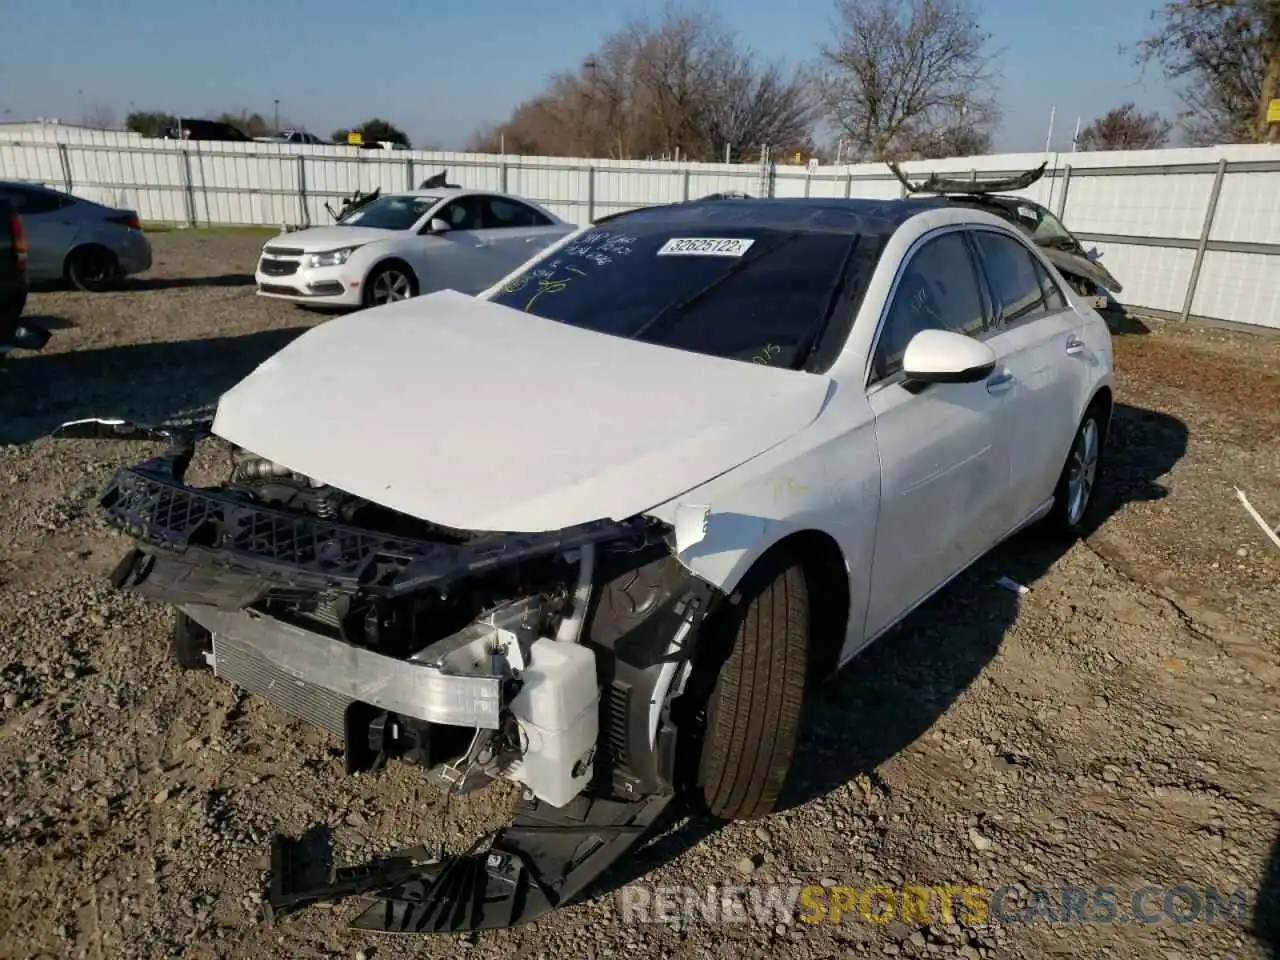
1114	727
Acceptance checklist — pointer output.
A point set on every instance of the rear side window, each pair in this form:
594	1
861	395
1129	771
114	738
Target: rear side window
938	290
1012	272
1054	298
34	202
501	213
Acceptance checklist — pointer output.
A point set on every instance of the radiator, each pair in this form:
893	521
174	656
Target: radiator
239	664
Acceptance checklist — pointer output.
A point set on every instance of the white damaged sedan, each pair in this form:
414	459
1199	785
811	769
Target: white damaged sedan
402	245
604	529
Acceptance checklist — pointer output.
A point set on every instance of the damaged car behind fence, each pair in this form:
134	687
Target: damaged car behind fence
603	529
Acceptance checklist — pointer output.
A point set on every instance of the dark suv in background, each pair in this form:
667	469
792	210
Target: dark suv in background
13	285
13	270
190	128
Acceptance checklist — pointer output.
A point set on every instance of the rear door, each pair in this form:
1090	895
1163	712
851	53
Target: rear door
460	259
51	230
1038	334
516	231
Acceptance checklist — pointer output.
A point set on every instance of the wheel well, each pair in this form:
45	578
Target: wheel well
393	262
1104	401
827	578
81	248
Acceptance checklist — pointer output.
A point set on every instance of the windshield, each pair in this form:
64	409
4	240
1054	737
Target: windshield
391	213
762	295
1044	227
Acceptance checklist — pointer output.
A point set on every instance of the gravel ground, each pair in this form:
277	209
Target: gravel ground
1114	726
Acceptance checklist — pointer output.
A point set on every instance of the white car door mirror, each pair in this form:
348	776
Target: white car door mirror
944	356
438	226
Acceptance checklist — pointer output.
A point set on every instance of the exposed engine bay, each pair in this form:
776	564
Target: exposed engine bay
561	661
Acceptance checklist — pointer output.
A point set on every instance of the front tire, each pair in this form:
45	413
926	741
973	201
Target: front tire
389	283
1074	496
756	709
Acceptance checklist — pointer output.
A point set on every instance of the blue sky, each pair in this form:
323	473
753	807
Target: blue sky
440	69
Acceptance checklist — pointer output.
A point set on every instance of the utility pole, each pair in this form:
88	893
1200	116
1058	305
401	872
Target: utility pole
276	128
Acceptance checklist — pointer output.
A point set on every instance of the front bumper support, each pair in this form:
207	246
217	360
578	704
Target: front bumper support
403	687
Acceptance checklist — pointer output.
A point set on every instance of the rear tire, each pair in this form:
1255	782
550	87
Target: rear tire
1075	494
756	710
93	269
190	642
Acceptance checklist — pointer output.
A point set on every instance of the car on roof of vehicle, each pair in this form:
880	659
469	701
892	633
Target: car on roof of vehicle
1079	267
603	529
69	238
400	245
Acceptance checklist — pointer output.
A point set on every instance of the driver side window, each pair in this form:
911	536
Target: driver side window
465	213
937	290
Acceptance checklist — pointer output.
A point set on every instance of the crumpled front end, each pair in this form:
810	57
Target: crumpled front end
555	660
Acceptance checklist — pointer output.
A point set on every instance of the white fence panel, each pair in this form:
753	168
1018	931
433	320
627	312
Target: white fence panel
1145	211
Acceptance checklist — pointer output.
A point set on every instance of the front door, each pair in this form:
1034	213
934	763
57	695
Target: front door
516	232
944	450
462	258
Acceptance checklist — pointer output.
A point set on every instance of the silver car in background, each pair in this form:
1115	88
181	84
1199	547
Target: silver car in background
68	238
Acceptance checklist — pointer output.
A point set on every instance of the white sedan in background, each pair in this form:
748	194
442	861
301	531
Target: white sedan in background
405	244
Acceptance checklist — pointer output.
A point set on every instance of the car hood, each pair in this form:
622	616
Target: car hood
477	416
1069	262
319	239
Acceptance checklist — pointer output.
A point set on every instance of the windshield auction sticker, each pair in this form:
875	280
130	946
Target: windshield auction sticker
704	247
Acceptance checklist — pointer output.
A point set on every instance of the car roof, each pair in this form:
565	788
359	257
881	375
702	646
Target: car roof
868	217
1003	201
446	192
36	187
431	192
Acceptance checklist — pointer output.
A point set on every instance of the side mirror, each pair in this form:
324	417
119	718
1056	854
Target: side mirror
944	356
438	226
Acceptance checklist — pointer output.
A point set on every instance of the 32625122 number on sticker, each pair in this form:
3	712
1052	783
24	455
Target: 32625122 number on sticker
705	247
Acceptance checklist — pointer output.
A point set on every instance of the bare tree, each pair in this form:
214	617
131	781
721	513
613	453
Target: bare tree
902	70
100	116
964	132
1125	128
250	124
750	106
1226	53
679	84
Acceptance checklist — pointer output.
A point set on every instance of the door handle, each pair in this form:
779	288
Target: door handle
1074	345
1000	382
